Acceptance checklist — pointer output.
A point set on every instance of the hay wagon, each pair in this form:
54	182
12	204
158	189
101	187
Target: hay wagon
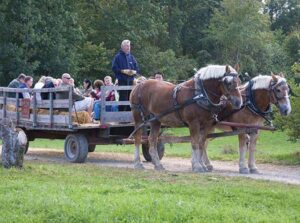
54	119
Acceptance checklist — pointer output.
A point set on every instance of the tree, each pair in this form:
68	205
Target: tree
291	123
240	33
284	14
38	36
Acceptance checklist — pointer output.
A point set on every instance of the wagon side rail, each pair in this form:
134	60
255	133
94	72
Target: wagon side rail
113	116
27	112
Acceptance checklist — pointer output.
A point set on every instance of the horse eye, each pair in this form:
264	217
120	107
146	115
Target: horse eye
278	90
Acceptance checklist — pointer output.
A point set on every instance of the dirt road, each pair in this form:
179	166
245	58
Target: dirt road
285	174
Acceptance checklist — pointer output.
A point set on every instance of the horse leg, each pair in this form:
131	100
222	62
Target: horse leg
243	141
137	142
252	148
153	137
137	139
197	163
205	159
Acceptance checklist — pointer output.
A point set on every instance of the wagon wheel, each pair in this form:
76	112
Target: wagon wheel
160	151
92	148
76	148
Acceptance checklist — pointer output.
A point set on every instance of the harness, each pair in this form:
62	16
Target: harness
201	98
251	105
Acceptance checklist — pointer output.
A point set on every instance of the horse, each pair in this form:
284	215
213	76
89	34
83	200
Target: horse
258	96
193	103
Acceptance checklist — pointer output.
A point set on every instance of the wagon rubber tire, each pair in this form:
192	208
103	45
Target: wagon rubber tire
92	148
160	151
76	148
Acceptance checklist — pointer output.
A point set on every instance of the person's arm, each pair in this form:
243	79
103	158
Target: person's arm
115	65
135	64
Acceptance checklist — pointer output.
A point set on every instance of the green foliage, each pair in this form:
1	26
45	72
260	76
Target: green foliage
241	35
292	45
38	37
85	193
291	123
284	14
93	62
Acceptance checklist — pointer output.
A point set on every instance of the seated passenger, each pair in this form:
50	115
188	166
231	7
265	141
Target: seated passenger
97	102
39	85
15	83
81	103
49	83
27	84
110	95
87	87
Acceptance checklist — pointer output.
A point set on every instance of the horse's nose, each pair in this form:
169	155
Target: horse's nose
284	110
237	103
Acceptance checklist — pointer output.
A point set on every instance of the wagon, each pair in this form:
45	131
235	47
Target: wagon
54	119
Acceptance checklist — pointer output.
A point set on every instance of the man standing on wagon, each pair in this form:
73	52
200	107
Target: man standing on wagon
125	67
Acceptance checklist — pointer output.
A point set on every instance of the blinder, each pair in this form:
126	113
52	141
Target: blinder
274	85
228	85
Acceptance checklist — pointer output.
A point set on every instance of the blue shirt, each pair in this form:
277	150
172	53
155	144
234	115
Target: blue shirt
124	61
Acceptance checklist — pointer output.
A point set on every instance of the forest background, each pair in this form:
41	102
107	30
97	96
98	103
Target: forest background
41	37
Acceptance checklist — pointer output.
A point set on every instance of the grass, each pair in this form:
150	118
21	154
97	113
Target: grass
84	193
271	148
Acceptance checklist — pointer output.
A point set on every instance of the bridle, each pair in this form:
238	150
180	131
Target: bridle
274	93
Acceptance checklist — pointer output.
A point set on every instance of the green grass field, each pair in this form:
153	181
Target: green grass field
271	148
85	193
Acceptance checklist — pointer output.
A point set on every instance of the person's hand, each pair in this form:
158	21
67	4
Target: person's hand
129	72
125	71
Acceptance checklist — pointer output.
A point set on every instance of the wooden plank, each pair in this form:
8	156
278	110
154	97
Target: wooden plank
117	88
44	90
117	117
117	103
57	103
71	103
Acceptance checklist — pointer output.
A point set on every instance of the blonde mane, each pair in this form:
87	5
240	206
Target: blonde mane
262	82
213	72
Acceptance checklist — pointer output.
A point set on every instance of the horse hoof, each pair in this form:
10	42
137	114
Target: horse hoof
209	168
139	166
254	171
244	170
198	170
159	167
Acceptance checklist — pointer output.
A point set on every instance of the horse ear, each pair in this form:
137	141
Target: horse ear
227	69
274	77
237	67
281	74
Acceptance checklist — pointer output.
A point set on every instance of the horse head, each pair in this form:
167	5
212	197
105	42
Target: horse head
279	93
230	86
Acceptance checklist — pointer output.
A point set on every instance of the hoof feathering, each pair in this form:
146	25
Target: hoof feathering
254	171
159	167
139	166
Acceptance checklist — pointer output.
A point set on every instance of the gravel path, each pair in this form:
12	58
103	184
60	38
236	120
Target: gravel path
285	174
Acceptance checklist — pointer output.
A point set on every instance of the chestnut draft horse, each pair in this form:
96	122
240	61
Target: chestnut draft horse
196	102
258	96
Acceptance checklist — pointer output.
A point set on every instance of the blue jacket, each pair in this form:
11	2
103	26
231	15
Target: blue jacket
124	61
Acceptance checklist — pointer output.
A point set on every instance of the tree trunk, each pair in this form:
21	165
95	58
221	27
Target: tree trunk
13	145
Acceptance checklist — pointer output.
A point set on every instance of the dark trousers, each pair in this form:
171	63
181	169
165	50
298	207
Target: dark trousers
124	94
